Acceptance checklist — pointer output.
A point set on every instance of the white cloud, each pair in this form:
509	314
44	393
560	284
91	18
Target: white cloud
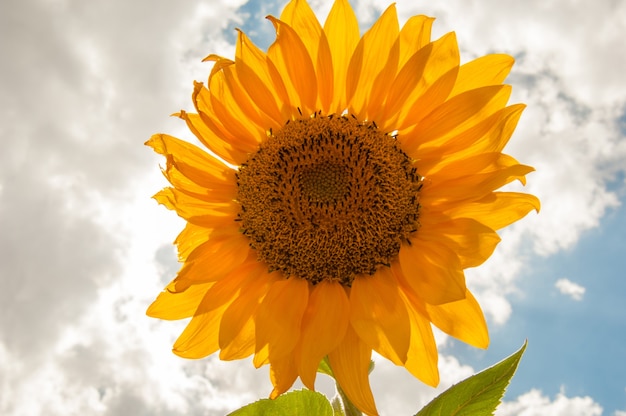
571	289
534	403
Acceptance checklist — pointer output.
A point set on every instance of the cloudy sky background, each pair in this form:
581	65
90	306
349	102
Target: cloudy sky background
84	250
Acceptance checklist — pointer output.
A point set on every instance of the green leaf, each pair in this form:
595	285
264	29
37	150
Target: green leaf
478	395
295	403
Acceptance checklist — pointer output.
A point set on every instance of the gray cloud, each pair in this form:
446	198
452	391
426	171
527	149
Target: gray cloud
84	85
52	263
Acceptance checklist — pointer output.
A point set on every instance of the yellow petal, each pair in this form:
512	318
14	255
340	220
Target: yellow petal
473	165
208	128
260	78
325	81
455	161
183	184
293	62
472	241
221	192
212	138
456	115
185	170
486	70
498	209
472	187
488	136
301	18
261	357
260	122
324	325
280	316
423	83
422	357
379	316
216	220
196	210
499	137
200	337
233	109
237	330
350	363
415	34
374	108
213	260
460	167
172	306
191	237
403	89
433	271
368	60
342	30
283	374
191	160
463	320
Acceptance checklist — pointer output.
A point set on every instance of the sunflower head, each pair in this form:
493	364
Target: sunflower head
366	181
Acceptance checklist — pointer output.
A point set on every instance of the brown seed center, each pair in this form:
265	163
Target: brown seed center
328	198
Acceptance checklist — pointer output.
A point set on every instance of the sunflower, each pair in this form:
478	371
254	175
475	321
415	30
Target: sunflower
365	183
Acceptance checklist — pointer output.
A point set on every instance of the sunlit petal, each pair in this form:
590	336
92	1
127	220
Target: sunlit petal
324	325
350	362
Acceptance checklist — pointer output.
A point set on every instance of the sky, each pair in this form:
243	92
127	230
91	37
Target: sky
84	250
